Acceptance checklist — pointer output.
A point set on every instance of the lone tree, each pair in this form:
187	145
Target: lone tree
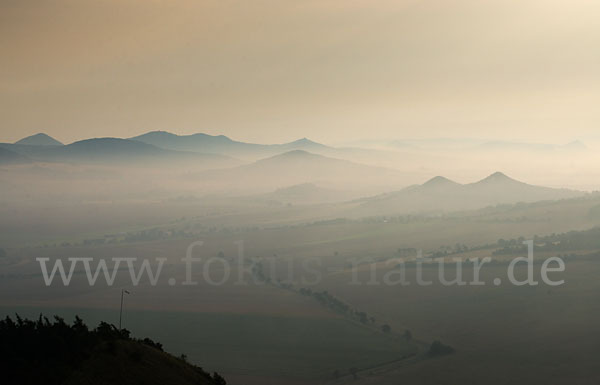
439	349
353	371
408	335
386	328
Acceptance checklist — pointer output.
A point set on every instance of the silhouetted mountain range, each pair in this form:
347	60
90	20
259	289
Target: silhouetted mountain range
279	166
221	144
115	150
252	151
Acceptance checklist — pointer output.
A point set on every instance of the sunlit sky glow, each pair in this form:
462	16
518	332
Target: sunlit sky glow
277	70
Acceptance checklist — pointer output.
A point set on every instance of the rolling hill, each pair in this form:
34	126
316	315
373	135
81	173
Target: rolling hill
440	194
304	193
301	167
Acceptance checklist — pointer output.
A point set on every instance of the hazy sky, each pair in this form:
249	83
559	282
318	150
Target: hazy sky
276	70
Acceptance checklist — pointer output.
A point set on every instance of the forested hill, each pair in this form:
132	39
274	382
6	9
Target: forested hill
54	352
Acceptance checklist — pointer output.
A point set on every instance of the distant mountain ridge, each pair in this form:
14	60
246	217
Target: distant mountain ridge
221	144
40	139
111	150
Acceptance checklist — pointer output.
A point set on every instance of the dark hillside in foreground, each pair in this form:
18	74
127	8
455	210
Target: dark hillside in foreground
53	352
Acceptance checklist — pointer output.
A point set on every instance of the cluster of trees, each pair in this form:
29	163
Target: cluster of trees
325	222
337	305
155	234
404	219
572	240
439	349
45	351
407	335
449	250
353	371
53	348
405	252
258	271
137	236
